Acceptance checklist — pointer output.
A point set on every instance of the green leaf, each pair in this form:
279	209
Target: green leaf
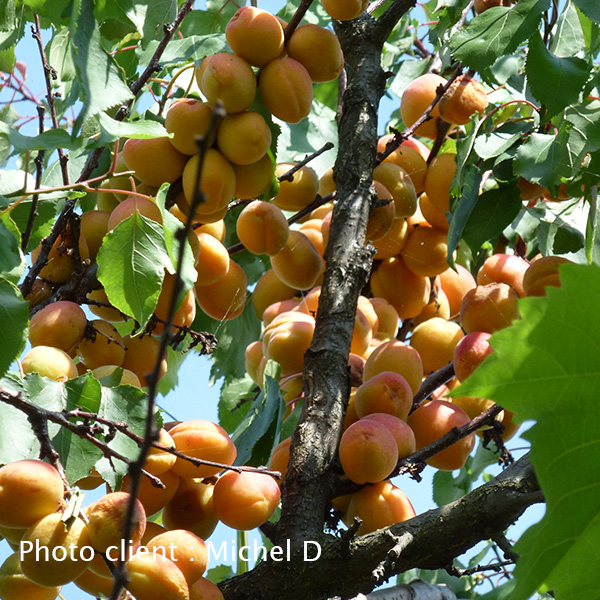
569	38
99	76
584	136
592	233
490	145
112	130
219	573
43	222
58	52
49	140
14	315
496	32
545	368
235	403
8	13
590	8
555	82
495	210
463	208
258	434
192	48
10	253
558	237
131	266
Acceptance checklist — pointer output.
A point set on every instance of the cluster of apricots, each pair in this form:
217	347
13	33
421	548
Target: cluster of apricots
165	562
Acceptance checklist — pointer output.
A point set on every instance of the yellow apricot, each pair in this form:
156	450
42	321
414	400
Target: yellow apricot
381	218
106	313
104	348
186	119
416	98
244	138
439	178
299	264
93	227
141	356
432	214
393	241
298	193
253	180
318	50
409	157
455	284
127	377
50	362
269	289
438	306
262	228
387	318
213	261
60	324
225	298
15	586
344	10
463	98
61	261
426	251
397	181
154	577
435	341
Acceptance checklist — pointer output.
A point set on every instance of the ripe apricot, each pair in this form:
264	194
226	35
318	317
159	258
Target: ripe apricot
225	298
127	377
434	419
277	308
253	180
93	584
50	362
397	181
298	193
93	227
61	261
205	440
439	179
455	284
504	268
269	289
217	229
470	352
228	78
432	214
435	341
40	290
60	324
192	508
398	357
213	261
59	560
344	10
483	5
34	480
154	577
426	251
461	100
153	160
185	549
15	586
141	356
387	318
542	273
393	241
386	392
288	342
105	348
280	457
379	505
204	589
244	138
255	34
406	291
286	89
438	306
134	205
407	156
298	264
262	228
403	434
106	517
416	98
186	119
106	313
489	308
381	218
318	50
217	183
368	452
245	500
186	309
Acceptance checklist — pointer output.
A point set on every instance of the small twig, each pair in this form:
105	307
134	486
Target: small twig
296	18
404	329
289	175
497	567
506	547
432	383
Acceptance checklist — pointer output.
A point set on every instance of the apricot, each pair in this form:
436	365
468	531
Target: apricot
262	228
255	34
185	549
530	191
379	505
470	352
438	307
432	214
61	556
244	138
106	313
387	318
204	589
141	356
61	261
299	264
435	341
217	183
406	291
288	342
483	5
154	577
409	157
93	227
106	517
489	308
37	482
154	498
217	229
228	78
134	205
280	457
455	284
192	509
416	98
186	119
277	308
291	389
350	417
94	584
127	377
253	180
434	419
186	309
397	181
300	192
344	10
286	89
403	434
245	500
461	100
40	291
318	50
368	452
381	218
213	260
15	586
225	298
439	179
50	362
153	160
60	325
542	273
426	251
205	440
365	306
386	392
312	229
269	289
398	357
504	268
105	348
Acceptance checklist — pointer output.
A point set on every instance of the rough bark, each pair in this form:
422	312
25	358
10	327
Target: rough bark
417	590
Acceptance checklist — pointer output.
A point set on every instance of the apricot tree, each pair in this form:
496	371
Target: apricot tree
401	303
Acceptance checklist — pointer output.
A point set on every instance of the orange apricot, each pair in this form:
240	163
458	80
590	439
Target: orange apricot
93	227
153	498
253	180
344	10
60	324
504	268
50	362
416	98
269	289
106	313
432	214
385	392
439	179
262	228
392	243
252	357
204	589
244	138
426	251
154	577
409	158
106	347
186	119
300	192
299	263
280	457
288	342
127	377
438	307
61	261
15	586
455	284
489	308
213	260
141	356
398	183
542	273
435	341
387	318
134	205
186	310
461	100
403	434
224	299
470	352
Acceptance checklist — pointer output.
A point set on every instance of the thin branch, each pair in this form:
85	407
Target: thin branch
389	19
498	567
432	383
289	175
296	18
